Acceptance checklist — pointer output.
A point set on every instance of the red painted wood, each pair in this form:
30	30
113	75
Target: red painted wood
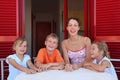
8	21
65	18
92	17
11	25
86	33
104	25
108	20
21	17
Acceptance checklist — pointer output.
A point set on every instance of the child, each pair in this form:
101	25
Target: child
18	62
101	61
49	58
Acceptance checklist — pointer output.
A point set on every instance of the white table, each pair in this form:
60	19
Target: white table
80	74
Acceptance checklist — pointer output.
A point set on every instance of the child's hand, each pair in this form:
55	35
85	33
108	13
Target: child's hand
38	69
30	71
61	67
45	66
68	67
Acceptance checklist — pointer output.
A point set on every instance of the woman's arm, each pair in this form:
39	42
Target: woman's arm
68	66
65	54
88	45
88	56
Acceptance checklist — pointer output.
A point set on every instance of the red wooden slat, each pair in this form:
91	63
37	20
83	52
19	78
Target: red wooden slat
7	18
114	49
105	22
5	49
107	18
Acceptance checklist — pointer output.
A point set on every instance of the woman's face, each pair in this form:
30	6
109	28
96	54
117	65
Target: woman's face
73	27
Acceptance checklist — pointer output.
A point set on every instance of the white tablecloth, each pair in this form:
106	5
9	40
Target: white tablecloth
80	74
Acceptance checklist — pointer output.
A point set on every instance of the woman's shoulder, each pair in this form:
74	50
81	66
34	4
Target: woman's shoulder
64	41
87	39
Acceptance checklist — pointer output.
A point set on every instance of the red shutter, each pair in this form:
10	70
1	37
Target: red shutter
10	24
105	24
8	20
108	24
107	20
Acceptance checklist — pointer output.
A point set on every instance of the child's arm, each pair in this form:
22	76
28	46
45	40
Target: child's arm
99	67
32	66
57	65
16	65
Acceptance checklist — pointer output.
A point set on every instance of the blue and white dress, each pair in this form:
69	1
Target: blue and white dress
13	72
110	70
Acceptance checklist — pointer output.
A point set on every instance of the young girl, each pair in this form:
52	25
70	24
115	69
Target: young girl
19	61
101	61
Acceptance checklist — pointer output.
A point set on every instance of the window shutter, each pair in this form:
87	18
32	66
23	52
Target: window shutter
105	25
8	20
11	27
107	20
11	24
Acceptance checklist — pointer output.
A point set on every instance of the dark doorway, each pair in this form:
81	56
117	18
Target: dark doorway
42	30
45	20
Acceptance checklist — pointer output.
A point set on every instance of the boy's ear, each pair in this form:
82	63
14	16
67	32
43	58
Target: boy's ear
45	43
56	45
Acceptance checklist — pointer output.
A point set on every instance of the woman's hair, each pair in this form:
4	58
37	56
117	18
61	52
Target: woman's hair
20	39
102	46
79	23
52	35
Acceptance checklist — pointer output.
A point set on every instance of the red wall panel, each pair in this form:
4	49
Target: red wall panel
105	25
108	20
8	20
11	24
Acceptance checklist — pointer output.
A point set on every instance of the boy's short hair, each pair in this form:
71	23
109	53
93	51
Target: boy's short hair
53	35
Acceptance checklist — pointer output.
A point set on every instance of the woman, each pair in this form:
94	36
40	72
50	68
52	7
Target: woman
75	48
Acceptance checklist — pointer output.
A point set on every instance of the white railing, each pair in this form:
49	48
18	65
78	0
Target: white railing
2	60
116	60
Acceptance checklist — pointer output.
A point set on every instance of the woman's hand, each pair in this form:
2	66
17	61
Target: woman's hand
68	67
75	66
87	64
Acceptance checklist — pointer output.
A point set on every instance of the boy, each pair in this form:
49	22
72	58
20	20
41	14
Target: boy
49	57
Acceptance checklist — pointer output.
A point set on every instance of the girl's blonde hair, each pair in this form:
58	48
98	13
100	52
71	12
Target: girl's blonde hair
20	39
102	46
